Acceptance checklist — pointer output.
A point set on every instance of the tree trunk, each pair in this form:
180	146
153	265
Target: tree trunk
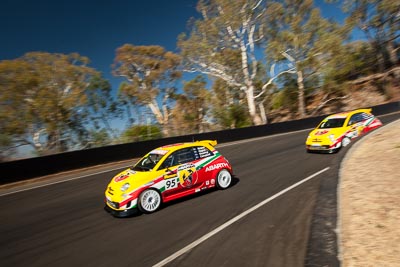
393	58
252	106
392	53
380	57
200	121
300	85
161	118
262	113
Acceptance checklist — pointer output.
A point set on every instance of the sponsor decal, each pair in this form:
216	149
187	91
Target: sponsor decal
187	174
212	181
171	183
121	177
321	132
217	166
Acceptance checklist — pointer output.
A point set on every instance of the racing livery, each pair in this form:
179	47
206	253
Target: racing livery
337	130
167	173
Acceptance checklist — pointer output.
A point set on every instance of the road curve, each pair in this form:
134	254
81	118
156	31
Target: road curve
64	224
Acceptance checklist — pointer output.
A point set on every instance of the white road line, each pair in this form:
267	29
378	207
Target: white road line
233	220
58	182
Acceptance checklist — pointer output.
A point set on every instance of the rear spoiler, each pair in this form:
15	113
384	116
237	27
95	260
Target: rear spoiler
212	143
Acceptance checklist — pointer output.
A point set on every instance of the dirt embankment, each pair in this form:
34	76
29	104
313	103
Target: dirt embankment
369	201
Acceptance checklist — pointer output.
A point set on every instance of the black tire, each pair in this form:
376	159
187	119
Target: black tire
345	141
149	201
224	179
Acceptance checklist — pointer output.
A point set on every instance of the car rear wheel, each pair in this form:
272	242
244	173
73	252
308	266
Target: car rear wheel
345	141
224	179
149	201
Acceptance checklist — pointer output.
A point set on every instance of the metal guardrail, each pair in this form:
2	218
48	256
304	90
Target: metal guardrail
23	169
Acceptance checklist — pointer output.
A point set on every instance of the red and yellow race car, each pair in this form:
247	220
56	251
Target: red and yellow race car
167	173
337	130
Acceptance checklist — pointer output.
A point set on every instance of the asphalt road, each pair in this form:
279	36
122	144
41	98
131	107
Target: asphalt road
64	224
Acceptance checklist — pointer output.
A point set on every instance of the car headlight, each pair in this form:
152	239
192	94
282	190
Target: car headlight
125	187
332	137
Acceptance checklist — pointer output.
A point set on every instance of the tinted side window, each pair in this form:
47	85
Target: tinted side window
185	155
202	152
356	118
181	156
366	116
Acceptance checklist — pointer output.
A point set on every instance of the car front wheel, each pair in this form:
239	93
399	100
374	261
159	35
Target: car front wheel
149	201
224	179
345	141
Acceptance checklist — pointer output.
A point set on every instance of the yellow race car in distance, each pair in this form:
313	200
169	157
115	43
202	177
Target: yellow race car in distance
337	130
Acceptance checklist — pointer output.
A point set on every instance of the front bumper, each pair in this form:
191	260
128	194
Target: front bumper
121	213
323	148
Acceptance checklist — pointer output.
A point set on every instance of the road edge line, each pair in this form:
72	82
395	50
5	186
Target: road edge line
233	220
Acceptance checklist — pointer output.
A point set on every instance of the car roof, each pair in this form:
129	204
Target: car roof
345	114
173	147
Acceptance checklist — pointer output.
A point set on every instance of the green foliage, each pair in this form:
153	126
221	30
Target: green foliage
222	44
43	101
227	108
5	140
233	116
99	138
354	61
380	21
191	107
141	133
150	73
145	69
285	98
101	107
308	41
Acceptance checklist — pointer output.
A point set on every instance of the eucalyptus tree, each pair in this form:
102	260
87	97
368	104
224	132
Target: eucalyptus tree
192	106
227	106
223	44
380	21
150	73
101	109
42	98
299	35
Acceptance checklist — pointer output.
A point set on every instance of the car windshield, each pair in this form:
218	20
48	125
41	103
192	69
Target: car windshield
147	163
332	123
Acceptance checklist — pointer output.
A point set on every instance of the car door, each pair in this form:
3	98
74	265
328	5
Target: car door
179	171
355	124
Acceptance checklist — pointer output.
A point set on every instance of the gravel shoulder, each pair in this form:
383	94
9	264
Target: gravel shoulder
369	200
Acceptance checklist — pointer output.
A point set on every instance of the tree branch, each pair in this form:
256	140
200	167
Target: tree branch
321	105
263	89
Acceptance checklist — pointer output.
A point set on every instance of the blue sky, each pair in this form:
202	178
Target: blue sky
96	28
